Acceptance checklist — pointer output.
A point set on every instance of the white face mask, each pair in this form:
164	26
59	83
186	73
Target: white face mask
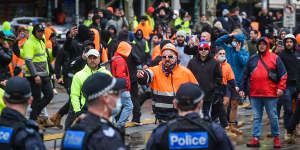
233	43
221	58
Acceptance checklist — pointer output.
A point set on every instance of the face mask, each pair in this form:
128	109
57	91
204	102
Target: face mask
233	44
139	36
115	111
221	58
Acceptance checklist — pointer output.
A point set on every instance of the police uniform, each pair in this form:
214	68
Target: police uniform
19	133
16	132
189	131
94	132
99	133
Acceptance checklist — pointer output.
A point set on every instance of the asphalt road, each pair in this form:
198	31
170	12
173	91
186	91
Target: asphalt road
137	136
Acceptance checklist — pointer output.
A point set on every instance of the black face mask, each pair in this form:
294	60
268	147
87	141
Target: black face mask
139	36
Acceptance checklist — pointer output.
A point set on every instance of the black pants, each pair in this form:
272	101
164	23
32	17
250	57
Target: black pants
135	100
38	102
294	119
217	111
67	84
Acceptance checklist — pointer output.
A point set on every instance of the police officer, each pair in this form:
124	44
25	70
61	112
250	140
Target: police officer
189	131
94	130
18	132
37	70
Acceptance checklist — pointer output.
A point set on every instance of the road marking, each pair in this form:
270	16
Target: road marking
53	136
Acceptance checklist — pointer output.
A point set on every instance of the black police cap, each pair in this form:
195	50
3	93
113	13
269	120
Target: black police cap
189	93
100	83
17	90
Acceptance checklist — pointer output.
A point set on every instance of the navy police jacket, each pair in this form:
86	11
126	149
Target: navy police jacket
198	140
26	137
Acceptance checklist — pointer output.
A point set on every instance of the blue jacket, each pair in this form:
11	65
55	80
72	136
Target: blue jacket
237	60
224	143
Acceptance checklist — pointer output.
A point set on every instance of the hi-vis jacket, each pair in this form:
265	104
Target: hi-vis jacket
164	87
77	98
35	56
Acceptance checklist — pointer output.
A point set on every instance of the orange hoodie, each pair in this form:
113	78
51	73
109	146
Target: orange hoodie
147	29
227	72
156	51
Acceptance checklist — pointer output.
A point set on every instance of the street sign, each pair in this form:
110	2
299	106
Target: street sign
289	15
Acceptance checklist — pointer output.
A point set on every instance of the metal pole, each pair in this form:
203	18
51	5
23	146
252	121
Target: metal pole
142	7
77	11
203	7
196	11
55	3
97	3
264	4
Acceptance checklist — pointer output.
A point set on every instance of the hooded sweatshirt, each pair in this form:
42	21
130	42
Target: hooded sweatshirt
119	68
237	59
257	75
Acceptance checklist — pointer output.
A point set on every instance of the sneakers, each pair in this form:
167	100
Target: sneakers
277	142
290	138
254	143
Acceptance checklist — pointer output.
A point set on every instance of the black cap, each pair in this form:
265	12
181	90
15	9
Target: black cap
17	90
100	83
38	27
189	93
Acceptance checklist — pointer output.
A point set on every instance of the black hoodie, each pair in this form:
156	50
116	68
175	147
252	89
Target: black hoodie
291	61
208	74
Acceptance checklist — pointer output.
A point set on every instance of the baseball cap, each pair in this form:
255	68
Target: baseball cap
17	90
93	52
189	94
203	45
100	83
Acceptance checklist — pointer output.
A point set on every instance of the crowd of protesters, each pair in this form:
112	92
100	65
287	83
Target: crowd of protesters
233	57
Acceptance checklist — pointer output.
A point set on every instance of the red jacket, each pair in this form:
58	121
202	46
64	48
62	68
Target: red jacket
257	75
119	68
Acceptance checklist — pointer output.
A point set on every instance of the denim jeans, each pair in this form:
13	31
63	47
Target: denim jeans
257	104
126	110
286	101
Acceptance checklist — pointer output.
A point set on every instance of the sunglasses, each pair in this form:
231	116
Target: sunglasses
169	56
40	30
202	49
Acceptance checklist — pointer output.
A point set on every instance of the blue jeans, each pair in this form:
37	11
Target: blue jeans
257	104
127	107
286	101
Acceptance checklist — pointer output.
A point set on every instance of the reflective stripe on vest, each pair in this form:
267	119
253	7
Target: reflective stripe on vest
40	54
163	93
162	105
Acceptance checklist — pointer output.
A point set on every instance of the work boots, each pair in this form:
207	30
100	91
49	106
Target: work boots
290	138
39	121
234	129
230	134
56	118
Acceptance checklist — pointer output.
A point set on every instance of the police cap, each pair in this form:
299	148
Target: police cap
17	90
189	94
100	83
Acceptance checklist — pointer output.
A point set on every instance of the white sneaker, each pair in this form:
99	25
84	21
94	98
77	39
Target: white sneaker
55	91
